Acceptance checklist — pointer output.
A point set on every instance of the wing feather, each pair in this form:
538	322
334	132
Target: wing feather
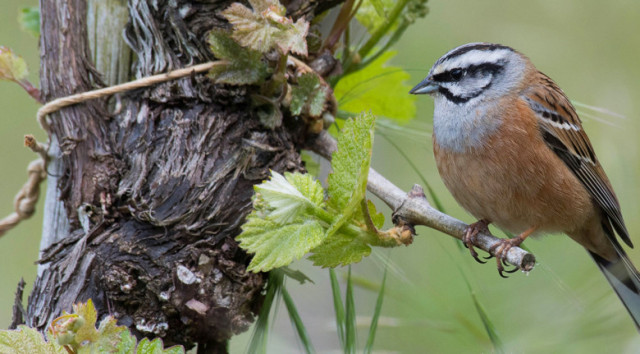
561	129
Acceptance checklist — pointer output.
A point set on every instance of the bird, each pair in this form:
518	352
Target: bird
511	149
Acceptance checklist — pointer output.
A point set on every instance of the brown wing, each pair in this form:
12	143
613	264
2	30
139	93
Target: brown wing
562	130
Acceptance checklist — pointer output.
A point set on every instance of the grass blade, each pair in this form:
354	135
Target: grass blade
482	313
338	306
258	342
296	321
486	321
376	315
350	319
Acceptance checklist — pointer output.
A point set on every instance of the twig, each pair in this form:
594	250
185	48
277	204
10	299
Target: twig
37	147
62	102
25	201
416	210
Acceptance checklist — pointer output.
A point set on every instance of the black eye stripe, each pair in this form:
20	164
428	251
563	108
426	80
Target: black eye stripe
456	74
462	99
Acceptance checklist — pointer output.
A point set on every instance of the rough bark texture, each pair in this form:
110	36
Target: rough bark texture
156	192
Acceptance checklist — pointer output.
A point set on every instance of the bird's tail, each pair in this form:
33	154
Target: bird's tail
624	279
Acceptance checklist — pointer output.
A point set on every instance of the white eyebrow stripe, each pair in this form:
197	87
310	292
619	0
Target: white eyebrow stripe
470	58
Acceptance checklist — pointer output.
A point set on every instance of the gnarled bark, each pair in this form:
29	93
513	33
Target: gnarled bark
155	189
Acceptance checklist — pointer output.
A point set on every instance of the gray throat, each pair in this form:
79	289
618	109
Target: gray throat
462	128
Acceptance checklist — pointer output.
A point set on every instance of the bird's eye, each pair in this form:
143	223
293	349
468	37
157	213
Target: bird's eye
456	74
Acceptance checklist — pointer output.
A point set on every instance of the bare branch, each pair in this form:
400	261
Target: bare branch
416	210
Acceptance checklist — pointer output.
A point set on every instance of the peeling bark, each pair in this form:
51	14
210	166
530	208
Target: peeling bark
156	192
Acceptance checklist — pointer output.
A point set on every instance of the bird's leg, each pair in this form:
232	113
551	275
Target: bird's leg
500	249
470	234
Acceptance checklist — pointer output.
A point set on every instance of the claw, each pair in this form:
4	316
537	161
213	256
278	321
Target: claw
475	256
501	249
470	237
501	269
515	269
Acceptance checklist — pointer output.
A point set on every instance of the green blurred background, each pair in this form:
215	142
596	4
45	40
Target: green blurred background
19	247
590	48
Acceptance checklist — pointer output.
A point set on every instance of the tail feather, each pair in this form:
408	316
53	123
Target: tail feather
624	279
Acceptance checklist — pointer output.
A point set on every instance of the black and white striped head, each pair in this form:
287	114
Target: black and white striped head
473	72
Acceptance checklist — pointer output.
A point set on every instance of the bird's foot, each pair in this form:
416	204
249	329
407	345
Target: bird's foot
470	234
500	251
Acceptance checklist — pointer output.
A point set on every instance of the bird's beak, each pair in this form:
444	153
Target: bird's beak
427	86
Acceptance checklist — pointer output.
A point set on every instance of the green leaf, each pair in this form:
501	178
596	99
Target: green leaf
373	13
27	340
289	196
281	228
29	19
127	343
78	334
87	331
376	218
12	66
347	188
268	5
155	347
250	29
110	336
308	96
377	88
245	66
275	245
339	249
350	163
265	27
294	39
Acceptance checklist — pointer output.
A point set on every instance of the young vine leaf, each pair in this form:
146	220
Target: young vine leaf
245	66
281	227
347	189
28	340
292	216
76	333
308	96
266	27
12	66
